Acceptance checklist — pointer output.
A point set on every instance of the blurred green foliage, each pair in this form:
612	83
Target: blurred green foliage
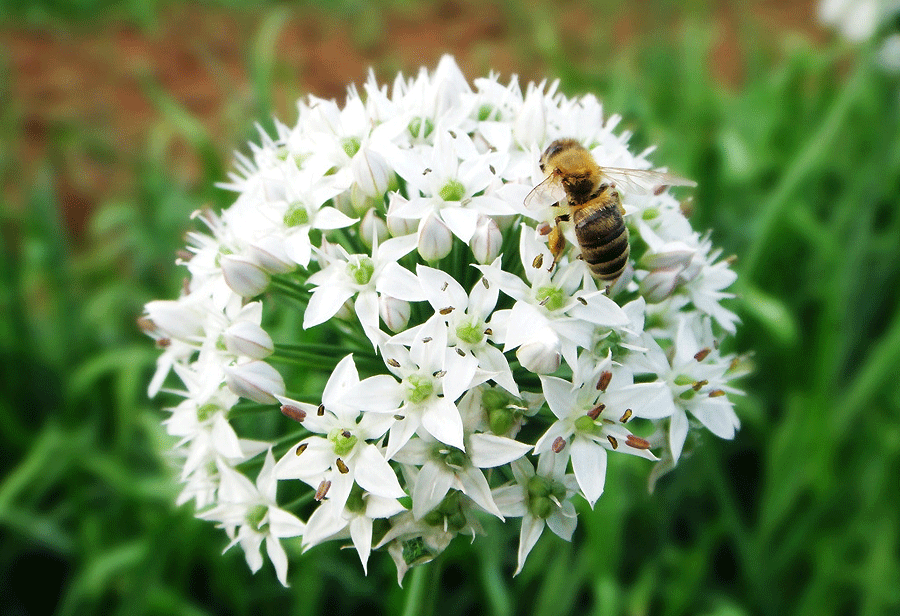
799	176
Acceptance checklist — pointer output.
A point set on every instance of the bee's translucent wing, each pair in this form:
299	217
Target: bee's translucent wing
547	193
644	181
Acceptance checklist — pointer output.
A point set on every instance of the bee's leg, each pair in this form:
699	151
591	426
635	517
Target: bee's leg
556	241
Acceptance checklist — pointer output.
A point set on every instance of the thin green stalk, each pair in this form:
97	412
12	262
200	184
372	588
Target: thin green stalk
415	592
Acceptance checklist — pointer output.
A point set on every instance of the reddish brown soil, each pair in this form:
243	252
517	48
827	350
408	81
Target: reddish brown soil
84	103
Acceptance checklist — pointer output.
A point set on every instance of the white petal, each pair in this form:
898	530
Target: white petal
366	307
589	464
488	450
442	420
532	528
678	429
442	290
719	418
377	393
563	521
325	303
461	221
361	534
559	394
278	558
400	283
330	218
647	400
373	473
432	484
284	524
510	500
312	463
475	486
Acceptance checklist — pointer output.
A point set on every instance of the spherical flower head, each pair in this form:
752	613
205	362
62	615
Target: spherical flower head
391	237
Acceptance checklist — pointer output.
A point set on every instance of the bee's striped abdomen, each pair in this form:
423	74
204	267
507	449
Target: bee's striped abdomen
603	238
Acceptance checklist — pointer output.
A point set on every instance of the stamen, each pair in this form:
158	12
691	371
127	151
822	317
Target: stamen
538	261
321	410
393	363
612	441
444	287
716	393
447	310
558	445
342	467
625	416
700	384
292	412
702	353
301	448
603	381
637	442
322	489
594	413
582	300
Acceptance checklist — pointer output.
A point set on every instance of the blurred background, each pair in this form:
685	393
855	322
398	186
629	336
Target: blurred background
118	116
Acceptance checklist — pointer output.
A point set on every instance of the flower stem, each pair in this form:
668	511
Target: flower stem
415	593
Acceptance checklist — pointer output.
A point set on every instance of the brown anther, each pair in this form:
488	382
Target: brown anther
687	207
301	448
594	413
582	300
637	442
544	228
427	339
426	171
439	373
321	410
460	352
659	190
164	343
538	261
444	286
612	441
544	301
185	287
447	310
146	324
399	417
341	466
491	167
558	445
735	363
716	393
603	381
488	332
293	412
184	255
322	489
730	260
346	433
625	416
485	282
700	384
701	354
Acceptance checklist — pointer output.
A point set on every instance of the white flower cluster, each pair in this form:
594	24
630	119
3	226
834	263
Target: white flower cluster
494	385
861	20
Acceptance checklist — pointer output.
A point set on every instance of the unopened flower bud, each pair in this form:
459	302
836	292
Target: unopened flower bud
540	355
396	225
255	380
371	172
486	242
435	239
243	276
249	339
373	226
673	255
269	253
659	285
394	312
175	318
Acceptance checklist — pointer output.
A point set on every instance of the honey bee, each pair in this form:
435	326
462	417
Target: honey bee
594	204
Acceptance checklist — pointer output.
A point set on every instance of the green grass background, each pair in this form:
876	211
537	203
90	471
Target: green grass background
799	176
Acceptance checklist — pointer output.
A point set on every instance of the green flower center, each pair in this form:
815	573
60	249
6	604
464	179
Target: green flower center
296	215
351	146
206	411
361	272
471	333
551	298
416	126
255	517
454	458
453	191
584	424
342	440
543	496
485	112
419	388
